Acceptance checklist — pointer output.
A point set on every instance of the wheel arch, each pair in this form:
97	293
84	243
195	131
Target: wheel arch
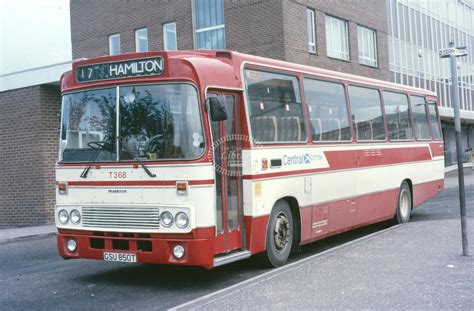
295	213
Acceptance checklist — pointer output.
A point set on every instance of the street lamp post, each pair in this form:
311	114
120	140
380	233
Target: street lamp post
452	52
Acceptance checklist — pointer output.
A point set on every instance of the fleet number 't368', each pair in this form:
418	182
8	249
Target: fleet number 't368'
118	175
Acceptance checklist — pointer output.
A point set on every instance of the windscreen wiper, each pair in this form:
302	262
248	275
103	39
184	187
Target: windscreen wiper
97	146
145	168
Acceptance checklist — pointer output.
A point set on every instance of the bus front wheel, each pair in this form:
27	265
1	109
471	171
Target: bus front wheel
279	235
404	204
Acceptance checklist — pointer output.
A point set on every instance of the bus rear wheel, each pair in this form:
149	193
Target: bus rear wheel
404	204
279	238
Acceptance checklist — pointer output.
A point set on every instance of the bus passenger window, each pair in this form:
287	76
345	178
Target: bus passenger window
398	116
327	111
275	108
435	128
367	113
420	119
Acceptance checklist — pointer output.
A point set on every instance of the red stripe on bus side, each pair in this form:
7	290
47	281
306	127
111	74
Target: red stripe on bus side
123	183
325	219
437	149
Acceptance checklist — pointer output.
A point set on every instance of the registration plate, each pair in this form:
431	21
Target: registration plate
121	257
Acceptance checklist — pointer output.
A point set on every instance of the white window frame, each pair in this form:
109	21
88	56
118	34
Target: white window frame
137	39
165	41
110	44
199	30
340	49
367	45
311	30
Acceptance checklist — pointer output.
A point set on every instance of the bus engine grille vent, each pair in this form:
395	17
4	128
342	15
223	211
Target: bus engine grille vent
121	217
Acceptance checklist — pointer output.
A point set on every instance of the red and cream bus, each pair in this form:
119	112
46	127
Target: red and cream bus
208	157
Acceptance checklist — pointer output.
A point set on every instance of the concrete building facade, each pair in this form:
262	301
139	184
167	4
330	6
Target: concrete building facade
417	30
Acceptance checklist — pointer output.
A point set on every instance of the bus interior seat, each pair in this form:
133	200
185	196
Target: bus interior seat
317	133
264	128
365	130
331	129
378	129
394	130
289	129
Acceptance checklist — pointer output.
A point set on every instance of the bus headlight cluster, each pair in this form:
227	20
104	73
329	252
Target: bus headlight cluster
181	219
74	217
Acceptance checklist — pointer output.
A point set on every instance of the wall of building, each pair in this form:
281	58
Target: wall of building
251	26
368	13
255	27
417	31
93	21
29	126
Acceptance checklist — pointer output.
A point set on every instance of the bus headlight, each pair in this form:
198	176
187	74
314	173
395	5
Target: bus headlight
75	217
166	219
71	246
182	220
63	217
178	251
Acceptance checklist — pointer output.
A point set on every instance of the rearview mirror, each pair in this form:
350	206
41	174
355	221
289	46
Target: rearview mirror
216	109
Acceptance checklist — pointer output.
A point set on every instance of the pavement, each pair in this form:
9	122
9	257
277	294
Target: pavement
417	265
26	232
412	266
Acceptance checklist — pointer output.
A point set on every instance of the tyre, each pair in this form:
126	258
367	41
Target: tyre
404	204
280	233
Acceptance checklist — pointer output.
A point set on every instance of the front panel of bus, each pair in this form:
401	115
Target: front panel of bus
134	179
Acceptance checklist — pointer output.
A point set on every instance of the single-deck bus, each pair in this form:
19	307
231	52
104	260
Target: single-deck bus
208	157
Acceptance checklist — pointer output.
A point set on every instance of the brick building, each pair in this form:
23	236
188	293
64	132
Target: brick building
29	121
271	28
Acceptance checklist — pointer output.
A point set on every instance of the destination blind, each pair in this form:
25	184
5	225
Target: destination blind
119	70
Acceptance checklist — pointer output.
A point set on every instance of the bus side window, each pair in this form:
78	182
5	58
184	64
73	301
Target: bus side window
367	113
275	108
434	119
398	116
420	119
327	110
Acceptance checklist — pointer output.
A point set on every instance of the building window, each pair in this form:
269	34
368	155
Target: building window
114	44
169	37
209	24
141	40
337	38
311	31
367	41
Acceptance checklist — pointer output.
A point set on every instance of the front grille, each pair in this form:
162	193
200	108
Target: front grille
121	217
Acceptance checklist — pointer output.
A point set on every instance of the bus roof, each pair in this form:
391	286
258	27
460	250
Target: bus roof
210	67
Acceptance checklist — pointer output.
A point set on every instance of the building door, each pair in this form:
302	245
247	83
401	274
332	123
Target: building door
228	175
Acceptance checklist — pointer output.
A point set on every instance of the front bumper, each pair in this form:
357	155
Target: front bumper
149	248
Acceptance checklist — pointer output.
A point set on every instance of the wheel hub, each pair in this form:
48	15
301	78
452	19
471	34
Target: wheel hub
404	203
281	233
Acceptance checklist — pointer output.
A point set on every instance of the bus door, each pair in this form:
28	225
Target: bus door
228	175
